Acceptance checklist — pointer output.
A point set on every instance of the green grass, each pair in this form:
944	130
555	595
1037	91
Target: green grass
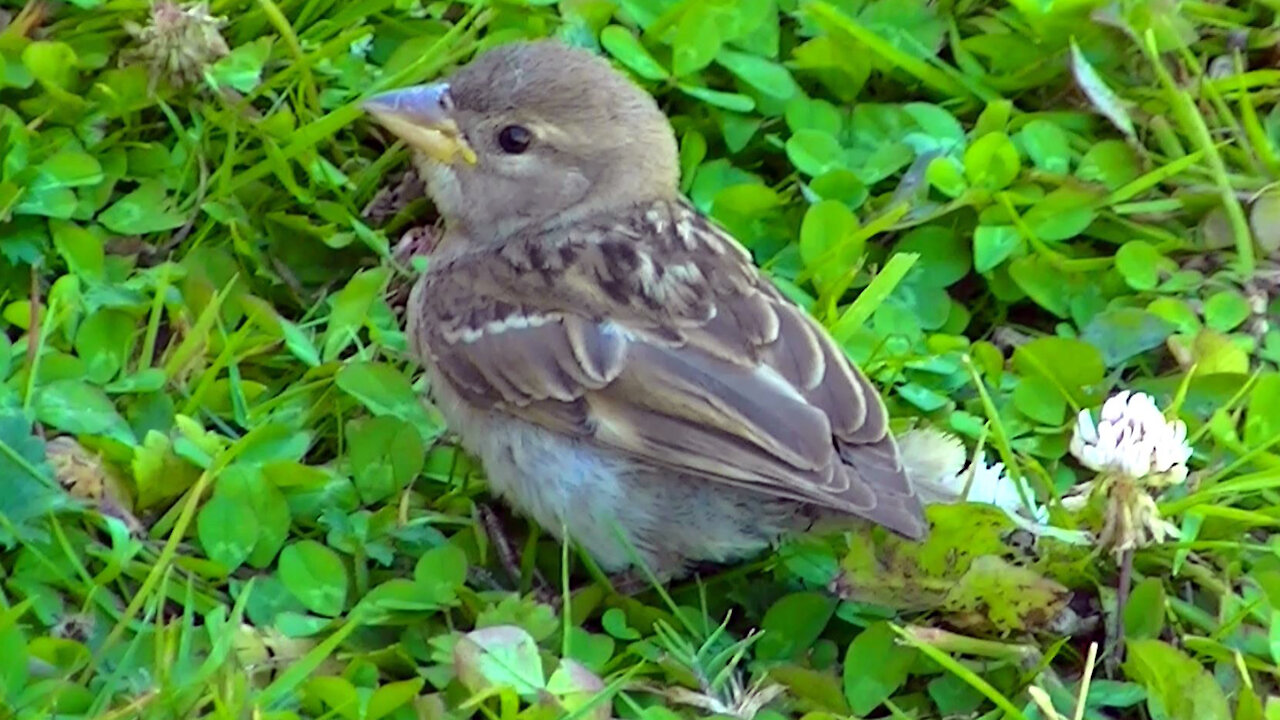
221	496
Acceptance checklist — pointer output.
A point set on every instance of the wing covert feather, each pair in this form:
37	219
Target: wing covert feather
660	340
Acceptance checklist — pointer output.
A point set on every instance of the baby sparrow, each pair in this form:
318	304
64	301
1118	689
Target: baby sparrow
616	361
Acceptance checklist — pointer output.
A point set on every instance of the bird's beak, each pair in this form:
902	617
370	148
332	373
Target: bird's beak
420	115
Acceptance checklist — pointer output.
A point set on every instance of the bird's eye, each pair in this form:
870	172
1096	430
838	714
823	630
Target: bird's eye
514	139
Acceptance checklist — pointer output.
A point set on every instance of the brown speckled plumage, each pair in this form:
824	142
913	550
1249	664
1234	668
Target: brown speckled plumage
616	359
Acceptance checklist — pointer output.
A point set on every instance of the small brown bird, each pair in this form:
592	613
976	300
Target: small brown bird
616	361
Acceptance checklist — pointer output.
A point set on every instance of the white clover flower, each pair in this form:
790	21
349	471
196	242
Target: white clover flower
1132	439
935	462
988	484
936	466
178	42
1135	450
1131	518
991	486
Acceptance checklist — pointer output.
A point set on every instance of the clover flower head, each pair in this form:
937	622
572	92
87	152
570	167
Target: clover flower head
1135	451
990	485
1131	519
1133	439
178	41
937	467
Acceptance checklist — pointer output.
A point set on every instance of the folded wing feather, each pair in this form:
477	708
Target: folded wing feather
738	386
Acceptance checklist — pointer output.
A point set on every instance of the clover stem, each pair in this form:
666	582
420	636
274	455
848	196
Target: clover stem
1122	596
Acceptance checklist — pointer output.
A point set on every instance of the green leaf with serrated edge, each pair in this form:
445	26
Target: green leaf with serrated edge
993	244
351	309
814	152
792	624
1139	263
386	391
1178	687
696	43
32	491
764	75
315	575
78	407
630	52
875	666
227	531
1144	611
1047	146
502	656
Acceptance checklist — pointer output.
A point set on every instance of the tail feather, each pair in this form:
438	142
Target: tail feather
932	461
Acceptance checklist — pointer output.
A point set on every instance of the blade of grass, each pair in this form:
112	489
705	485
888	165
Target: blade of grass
325	126
1085	679
199	333
1145	182
1244	485
873	296
1257	135
935	79
1220	107
971	678
147	356
302	668
282	26
1193	125
999	436
878	224
230	347
164	562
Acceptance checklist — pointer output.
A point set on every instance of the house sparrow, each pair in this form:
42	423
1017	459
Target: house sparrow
616	361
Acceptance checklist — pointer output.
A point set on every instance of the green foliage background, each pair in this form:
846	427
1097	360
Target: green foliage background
221	494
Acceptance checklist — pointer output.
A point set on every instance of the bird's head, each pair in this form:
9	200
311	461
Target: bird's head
531	135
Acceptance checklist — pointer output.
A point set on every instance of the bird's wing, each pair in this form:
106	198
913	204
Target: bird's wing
659	339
